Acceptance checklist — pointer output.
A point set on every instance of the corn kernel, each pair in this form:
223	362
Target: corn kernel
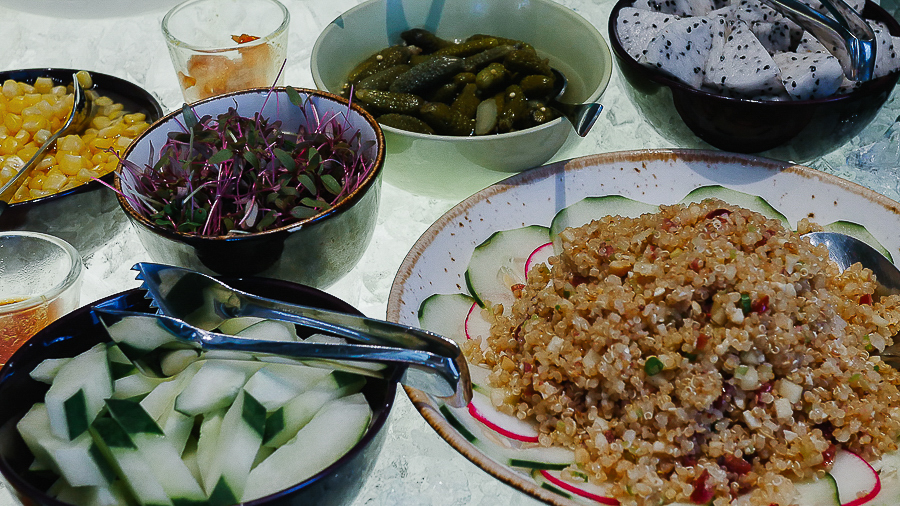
134	118
10	88
100	143
55	181
9	146
100	122
23	136
69	164
27	151
70	143
41	136
32	124
16	105
32	98
38	193
25	88
13	123
36	182
43	84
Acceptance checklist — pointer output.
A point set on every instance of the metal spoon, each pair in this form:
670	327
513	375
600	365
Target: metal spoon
846	251
78	119
582	116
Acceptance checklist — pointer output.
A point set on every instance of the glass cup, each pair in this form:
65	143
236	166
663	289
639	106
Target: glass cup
219	46
40	281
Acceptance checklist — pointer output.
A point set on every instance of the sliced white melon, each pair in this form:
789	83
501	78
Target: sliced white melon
335	429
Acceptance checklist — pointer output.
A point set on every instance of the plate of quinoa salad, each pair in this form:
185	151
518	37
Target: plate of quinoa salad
649	328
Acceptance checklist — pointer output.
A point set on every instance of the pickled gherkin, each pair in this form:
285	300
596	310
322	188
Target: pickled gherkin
478	85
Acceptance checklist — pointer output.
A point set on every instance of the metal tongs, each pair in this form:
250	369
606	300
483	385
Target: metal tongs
851	37
192	304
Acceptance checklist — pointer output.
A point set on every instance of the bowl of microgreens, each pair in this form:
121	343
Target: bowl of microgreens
277	182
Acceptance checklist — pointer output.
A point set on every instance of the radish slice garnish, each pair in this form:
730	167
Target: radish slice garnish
539	256
586	490
482	410
857	482
476	325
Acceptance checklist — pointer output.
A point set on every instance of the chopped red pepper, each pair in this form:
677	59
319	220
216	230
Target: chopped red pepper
702	339
736	465
828	455
760	305
717	213
866	299
702	493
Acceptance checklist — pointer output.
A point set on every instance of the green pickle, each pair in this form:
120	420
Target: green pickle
480	86
405	122
388	101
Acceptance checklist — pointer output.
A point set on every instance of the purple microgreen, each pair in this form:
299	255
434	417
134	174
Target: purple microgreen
235	175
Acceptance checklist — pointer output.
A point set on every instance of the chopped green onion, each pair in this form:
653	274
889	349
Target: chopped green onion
653	366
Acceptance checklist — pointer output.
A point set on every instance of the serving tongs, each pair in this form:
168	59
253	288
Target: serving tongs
191	304
847	34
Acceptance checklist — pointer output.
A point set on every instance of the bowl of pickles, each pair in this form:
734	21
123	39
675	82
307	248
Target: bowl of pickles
463	89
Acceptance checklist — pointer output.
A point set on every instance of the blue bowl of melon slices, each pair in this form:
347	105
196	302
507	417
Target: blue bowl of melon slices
97	416
751	80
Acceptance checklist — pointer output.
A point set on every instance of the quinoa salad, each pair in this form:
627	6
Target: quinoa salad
703	354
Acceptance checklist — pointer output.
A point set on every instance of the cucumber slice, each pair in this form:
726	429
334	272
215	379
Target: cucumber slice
160	403
176	361
737	198
240	437
130	465
206	445
48	369
270	330
860	232
178	430
78	392
215	386
137	337
589	209
232	326
162	457
446	314
336	428
76	460
116	494
819	492
499	263
136	384
271	390
286	421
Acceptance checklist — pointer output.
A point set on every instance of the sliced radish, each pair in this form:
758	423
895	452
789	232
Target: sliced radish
507	425
585	489
476	324
446	314
541	255
857	482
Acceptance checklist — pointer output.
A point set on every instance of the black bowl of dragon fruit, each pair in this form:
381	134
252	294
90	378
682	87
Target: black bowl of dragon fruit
742	77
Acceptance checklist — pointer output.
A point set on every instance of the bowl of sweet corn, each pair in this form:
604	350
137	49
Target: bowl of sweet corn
64	195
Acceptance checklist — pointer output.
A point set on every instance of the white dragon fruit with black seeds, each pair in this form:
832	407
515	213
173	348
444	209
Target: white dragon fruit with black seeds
775	36
743	67
637	27
887	52
681	50
807	76
810	44
677	7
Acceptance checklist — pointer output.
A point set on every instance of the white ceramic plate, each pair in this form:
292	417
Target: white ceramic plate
438	260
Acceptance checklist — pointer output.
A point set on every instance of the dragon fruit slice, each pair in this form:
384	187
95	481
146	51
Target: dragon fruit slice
809	75
636	27
677	7
887	51
741	66
810	44
681	49
775	36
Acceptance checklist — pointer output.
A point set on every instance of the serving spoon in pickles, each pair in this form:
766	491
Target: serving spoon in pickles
76	122
582	116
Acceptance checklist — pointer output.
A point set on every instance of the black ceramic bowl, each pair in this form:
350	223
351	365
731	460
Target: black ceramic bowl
315	251
86	216
801	129
76	332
